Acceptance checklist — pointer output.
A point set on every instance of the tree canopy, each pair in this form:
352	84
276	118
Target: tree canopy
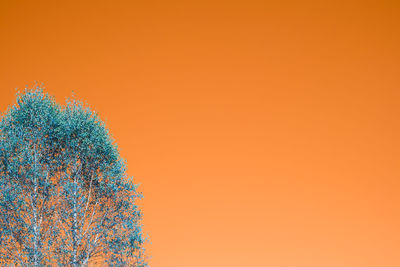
65	197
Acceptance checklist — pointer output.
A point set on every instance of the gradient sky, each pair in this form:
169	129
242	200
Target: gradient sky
262	133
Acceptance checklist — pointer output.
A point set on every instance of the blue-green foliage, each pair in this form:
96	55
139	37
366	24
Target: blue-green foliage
65	198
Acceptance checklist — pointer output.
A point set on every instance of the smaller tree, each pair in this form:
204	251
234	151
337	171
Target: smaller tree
95	208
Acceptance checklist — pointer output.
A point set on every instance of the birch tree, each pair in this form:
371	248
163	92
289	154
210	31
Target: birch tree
28	160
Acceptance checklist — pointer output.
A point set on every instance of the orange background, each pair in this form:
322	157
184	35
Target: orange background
263	133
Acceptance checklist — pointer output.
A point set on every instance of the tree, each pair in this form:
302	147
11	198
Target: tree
65	197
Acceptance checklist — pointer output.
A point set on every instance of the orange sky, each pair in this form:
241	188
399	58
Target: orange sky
263	133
